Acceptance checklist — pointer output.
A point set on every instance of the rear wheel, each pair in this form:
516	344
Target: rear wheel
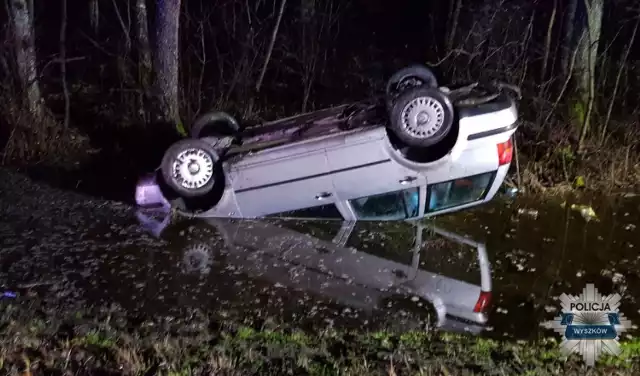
407	78
421	117
189	168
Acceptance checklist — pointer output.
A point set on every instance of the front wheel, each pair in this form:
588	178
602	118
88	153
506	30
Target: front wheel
189	168
421	116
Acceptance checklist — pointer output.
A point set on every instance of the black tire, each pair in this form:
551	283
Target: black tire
197	258
215	124
202	246
408	77
206	157
405	113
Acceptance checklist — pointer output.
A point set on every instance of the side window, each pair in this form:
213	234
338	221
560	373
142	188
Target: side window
388	206
329	211
458	192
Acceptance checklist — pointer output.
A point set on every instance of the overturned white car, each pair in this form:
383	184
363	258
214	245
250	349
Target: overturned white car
418	151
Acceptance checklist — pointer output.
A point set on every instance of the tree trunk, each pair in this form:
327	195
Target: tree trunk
588	29
308	48
167	60
63	64
123	57
22	17
94	15
569	40
547	44
453	24
144	51
307	10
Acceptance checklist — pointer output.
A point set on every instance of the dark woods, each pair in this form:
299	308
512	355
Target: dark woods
81	77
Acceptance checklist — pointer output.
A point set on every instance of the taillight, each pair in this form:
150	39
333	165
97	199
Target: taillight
505	152
483	303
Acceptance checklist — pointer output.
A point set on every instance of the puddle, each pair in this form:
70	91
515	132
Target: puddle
439	274
336	273
535	259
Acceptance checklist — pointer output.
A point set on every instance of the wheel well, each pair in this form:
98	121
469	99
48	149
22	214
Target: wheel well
428	154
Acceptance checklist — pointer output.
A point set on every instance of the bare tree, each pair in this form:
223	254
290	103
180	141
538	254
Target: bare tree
318	26
307	10
625	58
22	18
167	60
547	43
63	64
248	112
144	50
456	6
272	42
125	25
94	15
309	47
586	63
569	37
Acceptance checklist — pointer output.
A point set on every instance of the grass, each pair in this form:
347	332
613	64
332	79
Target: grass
551	169
107	343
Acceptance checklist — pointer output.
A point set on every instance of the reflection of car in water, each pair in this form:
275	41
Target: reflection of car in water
421	150
358	279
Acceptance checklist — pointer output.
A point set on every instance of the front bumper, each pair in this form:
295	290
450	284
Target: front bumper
149	195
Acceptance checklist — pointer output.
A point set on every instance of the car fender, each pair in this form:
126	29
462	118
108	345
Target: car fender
461	144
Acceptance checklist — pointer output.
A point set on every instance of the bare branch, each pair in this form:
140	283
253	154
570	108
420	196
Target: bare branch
274	35
617	84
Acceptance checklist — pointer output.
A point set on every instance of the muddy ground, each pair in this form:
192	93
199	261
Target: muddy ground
88	289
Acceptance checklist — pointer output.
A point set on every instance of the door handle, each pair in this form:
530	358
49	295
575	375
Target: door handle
407	179
323	195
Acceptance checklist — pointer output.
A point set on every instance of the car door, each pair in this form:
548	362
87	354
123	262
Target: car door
286	181
396	205
362	167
